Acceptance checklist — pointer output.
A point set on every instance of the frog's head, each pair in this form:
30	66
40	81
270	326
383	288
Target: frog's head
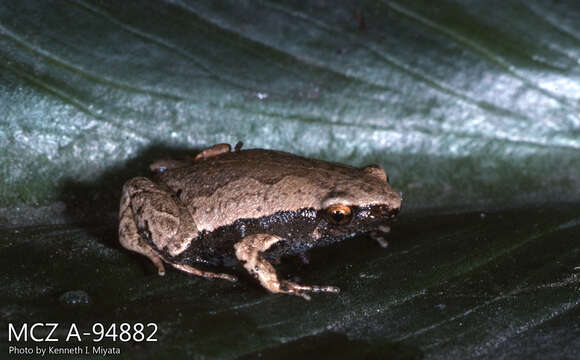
359	204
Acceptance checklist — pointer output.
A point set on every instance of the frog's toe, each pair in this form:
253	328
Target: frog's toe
301	290
159	265
378	237
227	277
330	289
317	288
303	295
204	274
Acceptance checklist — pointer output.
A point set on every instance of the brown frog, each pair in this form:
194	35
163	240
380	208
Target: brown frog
250	206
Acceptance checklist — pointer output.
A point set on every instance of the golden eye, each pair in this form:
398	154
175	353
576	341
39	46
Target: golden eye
339	214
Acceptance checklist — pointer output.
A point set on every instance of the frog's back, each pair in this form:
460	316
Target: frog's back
262	162
256	183
204	177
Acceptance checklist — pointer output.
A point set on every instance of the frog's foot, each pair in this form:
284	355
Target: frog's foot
249	251
379	236
215	150
206	274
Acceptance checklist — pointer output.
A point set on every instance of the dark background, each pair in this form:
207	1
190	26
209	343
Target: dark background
472	107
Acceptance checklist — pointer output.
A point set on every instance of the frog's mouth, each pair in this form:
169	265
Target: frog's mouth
364	219
375	213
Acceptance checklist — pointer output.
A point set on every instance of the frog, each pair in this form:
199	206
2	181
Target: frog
227	207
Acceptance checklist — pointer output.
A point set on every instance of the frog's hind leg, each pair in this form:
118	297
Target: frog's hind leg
129	235
151	219
249	251
206	274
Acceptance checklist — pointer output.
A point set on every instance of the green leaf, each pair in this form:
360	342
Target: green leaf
471	107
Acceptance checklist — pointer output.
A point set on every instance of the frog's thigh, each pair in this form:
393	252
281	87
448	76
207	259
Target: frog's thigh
152	219
129	235
162	220
249	251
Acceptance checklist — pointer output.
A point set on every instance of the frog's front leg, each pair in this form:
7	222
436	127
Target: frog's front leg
152	219
249	251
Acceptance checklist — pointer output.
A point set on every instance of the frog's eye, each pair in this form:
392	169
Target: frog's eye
339	214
